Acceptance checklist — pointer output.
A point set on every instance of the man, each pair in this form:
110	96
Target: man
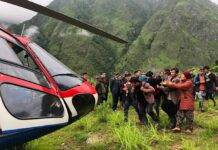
138	100
158	95
128	88
85	76
115	85
170	103
100	88
105	81
137	73
166	74
200	87
210	84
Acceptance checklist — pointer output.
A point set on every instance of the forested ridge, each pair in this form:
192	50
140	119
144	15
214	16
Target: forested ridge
161	33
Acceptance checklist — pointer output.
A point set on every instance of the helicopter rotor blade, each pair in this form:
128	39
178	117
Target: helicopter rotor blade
59	16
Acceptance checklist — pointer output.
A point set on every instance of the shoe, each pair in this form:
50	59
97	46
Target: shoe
202	110
176	130
141	123
171	126
188	131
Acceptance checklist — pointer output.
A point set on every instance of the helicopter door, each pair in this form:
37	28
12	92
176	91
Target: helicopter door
27	100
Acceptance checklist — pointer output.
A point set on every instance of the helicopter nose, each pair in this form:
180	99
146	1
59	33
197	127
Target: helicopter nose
84	103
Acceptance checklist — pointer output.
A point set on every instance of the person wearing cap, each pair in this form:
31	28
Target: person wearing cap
115	85
211	84
186	106
200	87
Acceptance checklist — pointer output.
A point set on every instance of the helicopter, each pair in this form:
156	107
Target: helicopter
38	93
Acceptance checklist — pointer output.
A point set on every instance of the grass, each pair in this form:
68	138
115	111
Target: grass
105	129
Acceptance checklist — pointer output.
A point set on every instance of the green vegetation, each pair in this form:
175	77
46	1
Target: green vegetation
181	34
105	129
161	33
81	50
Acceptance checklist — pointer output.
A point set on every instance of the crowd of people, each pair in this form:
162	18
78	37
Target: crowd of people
174	92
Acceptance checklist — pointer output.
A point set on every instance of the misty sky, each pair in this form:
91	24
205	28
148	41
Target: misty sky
10	14
215	1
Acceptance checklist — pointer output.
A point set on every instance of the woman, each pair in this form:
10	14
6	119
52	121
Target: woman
186	106
148	92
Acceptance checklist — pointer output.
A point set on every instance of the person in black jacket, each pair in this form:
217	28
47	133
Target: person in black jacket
105	81
115	86
129	97
211	84
139	99
100	88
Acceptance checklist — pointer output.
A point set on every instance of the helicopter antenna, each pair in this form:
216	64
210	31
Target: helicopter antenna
23	29
59	16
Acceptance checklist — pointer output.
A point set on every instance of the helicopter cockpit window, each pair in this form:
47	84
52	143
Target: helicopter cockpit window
15	61
30	104
64	76
6	52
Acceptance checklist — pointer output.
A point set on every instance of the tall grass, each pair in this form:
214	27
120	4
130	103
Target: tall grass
189	145
131	137
115	119
102	112
117	134
207	121
85	124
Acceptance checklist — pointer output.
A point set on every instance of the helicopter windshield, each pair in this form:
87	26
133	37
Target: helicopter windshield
64	76
16	62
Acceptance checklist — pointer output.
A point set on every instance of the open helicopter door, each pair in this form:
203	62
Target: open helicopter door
29	105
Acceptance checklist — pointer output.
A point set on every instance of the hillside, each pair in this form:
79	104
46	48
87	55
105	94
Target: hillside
161	33
183	33
81	50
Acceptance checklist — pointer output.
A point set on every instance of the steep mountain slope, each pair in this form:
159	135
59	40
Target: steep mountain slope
183	33
81	50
